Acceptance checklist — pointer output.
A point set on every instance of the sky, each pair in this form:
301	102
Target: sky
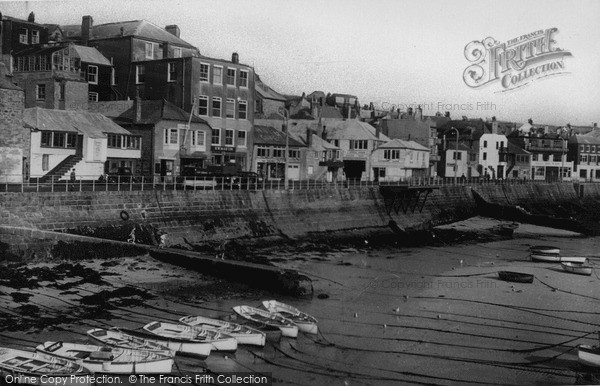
394	53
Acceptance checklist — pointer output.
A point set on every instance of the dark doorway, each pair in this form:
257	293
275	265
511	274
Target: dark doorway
354	169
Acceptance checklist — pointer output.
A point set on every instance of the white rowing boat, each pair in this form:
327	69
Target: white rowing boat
305	322
544	249
116	338
35	368
588	355
573	259
114	360
196	348
288	328
578	268
243	334
219	341
545	257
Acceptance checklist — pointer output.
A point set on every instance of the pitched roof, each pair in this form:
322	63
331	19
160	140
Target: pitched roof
354	129
265	91
300	131
152	112
401	144
515	149
93	124
91	55
331	112
137	28
265	135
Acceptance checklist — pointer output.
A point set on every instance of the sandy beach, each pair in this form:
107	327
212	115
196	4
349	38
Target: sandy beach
434	314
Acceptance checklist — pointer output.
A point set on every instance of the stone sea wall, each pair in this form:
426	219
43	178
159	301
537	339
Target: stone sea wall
193	217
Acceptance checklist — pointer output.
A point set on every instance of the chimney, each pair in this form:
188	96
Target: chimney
419	114
309	134
137	104
447	114
31	17
494	126
235	58
410	111
87	26
173	29
377	131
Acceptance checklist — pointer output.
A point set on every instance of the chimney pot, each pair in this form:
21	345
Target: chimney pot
235	58
173	30
87	25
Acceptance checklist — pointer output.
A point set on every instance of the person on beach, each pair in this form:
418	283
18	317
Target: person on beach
72	179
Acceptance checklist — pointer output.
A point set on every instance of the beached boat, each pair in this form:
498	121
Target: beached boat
196	348
219	340
578	268
272	333
573	259
516	277
545	257
544	249
305	322
114	360
243	334
35	368
288	328
116	338
588	355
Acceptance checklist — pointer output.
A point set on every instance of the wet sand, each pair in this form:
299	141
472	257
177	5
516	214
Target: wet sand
419	315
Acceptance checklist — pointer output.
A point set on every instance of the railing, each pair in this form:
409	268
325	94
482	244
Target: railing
83	184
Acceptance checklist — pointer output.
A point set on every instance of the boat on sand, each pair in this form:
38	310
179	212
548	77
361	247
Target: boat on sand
288	328
516	277
243	334
305	322
578	268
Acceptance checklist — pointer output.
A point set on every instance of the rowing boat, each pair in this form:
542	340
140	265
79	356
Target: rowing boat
544	249
243	334
273	334
516	277
116	338
288	328
188	347
35	368
219	340
114	360
578	268
573	259
545	257
305	322
588	355
506	229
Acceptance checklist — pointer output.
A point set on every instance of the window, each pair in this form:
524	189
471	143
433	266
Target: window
92	74
198	138
35	37
140	73
149	51
231	76
61	92
556	158
242	109
217	75
358	144
177	52
40	92
172	76
497	145
262	152
92	97
241	138
203	105
390	154
23	36
171	136
216	137
230	110
457	155
216	107
484	143
278	152
114	141
45	162
587	148
46	138
204	72
58	139
484	156
229	137
243	78
473	157
294	153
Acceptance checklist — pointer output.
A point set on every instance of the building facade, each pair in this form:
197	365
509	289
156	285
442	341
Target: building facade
399	160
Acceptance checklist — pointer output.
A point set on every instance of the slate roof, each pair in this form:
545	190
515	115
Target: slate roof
93	124
153	111
265	91
515	149
136	28
265	135
331	112
91	55
353	129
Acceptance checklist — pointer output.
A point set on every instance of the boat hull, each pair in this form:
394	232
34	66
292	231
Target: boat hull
305	322
515	277
288	328
242	334
573	259
588	355
199	350
579	269
545	257
544	249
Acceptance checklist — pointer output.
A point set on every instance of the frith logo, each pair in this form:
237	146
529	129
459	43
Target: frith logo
515	63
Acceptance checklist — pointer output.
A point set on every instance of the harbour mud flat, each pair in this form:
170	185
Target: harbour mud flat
388	314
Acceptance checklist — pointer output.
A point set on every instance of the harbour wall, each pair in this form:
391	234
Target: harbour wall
193	217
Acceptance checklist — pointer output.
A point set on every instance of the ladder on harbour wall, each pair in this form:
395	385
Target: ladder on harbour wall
405	197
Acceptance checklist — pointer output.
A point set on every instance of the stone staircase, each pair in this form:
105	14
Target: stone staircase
60	170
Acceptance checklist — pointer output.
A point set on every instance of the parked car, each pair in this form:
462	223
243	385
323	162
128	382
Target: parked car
122	174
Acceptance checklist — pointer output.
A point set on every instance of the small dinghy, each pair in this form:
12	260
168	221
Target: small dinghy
273	334
506	229
243	334
219	340
305	322
34	368
578	268
188	347
544	249
544	253
515	277
573	259
288	328
116	338
113	360
588	355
